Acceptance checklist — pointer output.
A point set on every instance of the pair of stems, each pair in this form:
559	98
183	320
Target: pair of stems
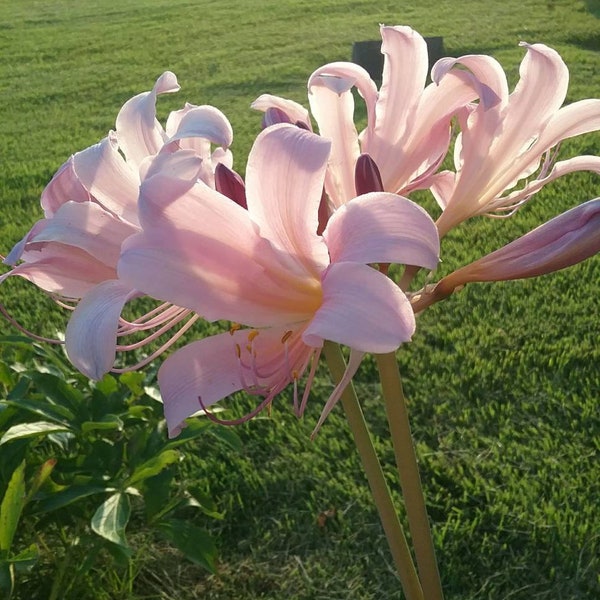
426	584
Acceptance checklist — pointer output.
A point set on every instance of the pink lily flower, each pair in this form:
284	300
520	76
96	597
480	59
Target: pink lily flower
565	240
408	128
90	208
284	288
513	139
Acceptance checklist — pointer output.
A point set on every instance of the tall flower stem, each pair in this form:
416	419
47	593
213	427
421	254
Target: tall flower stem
379	488
410	480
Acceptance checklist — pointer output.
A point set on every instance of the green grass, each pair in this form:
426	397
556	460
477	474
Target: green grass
502	380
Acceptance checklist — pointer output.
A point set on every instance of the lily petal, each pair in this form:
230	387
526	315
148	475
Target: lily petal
294	111
215	367
289	163
138	131
361	308
210	257
63	270
65	186
87	226
91	335
108	178
382	227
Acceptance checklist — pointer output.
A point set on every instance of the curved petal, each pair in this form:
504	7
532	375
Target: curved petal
489	76
295	112
284	182
86	226
404	73
201	251
65	186
362	309
332	105
565	240
206	122
64	270
215	367
138	131
382	227
541	89
91	335
561	168
574	119
113	183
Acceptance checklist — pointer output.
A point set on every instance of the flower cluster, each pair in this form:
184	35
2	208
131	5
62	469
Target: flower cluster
296	253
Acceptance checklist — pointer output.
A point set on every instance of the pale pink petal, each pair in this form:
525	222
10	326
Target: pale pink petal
332	105
205	122
91	335
404	73
284	184
63	270
181	166
489	76
361	308
215	367
561	168
113	183
65	186
295	112
382	227
86	226
562	242
541	89
14	256
571	120
442	186
211	258
353	364
138	131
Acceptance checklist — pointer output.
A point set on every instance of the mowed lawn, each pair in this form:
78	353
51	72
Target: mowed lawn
502	380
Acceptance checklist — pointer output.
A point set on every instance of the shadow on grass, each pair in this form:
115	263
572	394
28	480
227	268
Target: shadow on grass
593	6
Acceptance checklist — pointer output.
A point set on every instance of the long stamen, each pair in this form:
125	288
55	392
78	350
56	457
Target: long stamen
160	350
309	381
33	336
169	325
212	417
144	323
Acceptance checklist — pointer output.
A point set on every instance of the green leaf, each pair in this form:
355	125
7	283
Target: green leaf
107	422
111	518
40	477
43	409
11	508
65	497
195	543
26	430
154	466
7	578
133	380
26	558
59	391
194	428
227	435
205	503
107	385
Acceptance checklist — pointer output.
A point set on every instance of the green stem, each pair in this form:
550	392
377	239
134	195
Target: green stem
379	489
408	470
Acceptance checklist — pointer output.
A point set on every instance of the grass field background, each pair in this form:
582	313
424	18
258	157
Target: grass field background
502	380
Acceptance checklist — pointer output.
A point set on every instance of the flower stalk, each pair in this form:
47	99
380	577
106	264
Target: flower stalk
408	471
379	488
